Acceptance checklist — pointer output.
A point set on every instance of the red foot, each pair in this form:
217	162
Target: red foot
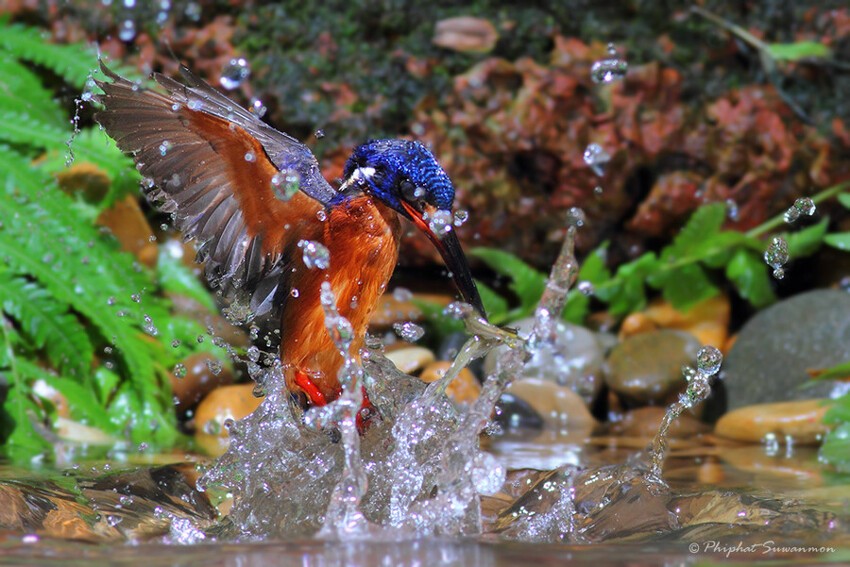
315	397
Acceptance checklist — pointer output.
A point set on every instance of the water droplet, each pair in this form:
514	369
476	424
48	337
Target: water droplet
127	30
575	217
315	254
802	206
440	223
320	134
709	360
130	4
776	256
175	343
286	184
200	339
460	217
164	147
179	370
253	354
195	104
409	331
402	294
609	70
137	298
214	366
596	157
294	292
250	157
585	288
234	73
30	538
193	11
732	210
322	215
458	310
110	300
257	107
149	327
597	190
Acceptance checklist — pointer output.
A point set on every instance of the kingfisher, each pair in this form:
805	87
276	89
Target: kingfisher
253	197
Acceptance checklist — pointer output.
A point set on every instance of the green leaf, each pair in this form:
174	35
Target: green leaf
175	277
593	270
835	372
698	234
626	293
48	324
836	447
844	199
495	305
839	410
685	286
807	241
748	272
526	282
20	411
840	240
798	50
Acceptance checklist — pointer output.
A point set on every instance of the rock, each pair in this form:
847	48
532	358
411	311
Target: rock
127	222
223	403
801	420
466	34
464	389
514	414
645	422
647	368
392	310
199	380
769	359
86	179
410	359
707	321
559	406
575	361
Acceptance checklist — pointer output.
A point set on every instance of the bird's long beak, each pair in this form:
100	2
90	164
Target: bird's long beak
452	253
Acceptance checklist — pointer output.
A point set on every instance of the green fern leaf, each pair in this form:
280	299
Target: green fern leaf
48	324
21	91
72	62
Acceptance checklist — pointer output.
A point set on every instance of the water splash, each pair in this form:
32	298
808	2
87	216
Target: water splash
777	256
315	255
440	223
409	331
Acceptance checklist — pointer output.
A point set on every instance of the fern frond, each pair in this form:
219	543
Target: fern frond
47	324
22	92
72	62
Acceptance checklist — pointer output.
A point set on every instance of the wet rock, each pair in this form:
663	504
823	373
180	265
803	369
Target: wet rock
466	34
410	359
707	321
227	402
558	405
464	389
800	420
575	361
769	359
199	380
647	368
86	179
645	422
127	222
513	413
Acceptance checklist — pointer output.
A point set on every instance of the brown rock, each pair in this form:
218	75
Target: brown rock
559	406
708	320
466	34
84	178
644	422
226	402
801	420
410	359
464	389
199	379
129	225
390	310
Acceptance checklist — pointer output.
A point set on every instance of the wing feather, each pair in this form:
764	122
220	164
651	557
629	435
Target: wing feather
211	164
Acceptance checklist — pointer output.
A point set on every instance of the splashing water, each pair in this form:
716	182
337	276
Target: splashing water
286	184
235	73
776	256
802	206
596	157
441	222
409	331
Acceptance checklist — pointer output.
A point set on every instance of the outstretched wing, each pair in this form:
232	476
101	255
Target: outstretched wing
217	168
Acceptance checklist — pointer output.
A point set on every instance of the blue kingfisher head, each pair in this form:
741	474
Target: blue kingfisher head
405	176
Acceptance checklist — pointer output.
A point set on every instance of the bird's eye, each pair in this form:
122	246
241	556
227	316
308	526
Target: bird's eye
411	193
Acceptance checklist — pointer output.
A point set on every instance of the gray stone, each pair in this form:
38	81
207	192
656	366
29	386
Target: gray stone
774	349
647	368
